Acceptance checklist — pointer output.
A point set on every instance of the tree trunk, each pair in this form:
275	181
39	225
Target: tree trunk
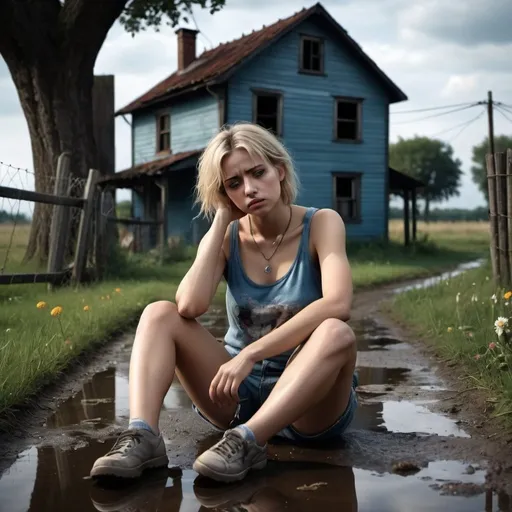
426	212
50	48
58	107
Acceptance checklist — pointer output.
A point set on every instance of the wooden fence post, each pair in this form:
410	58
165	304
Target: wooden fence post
493	221
509	209
500	160
59	230
85	225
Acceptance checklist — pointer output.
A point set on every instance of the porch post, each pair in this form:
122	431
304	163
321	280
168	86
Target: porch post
414	219
406	217
164	195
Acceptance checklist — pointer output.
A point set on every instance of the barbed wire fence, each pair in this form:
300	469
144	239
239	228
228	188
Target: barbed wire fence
43	216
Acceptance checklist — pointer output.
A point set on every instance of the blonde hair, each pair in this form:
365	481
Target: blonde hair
257	141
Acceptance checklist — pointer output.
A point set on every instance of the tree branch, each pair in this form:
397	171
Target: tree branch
24	26
85	25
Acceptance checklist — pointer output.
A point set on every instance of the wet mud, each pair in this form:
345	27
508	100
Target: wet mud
410	446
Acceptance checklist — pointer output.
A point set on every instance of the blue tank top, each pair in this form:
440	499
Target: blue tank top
253	309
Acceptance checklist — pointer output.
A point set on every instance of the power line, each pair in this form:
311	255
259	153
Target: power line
467	125
458	125
504	107
429	108
500	110
471	105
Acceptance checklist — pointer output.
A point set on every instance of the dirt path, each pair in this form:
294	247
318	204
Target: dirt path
411	417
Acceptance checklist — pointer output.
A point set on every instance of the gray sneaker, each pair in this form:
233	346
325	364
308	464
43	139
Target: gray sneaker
231	458
134	451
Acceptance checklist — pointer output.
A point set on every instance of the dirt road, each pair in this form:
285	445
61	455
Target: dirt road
416	444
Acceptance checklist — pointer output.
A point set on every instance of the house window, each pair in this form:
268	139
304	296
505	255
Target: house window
347	119
347	196
311	55
268	110
163	136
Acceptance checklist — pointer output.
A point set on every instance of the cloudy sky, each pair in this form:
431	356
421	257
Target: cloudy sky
439	53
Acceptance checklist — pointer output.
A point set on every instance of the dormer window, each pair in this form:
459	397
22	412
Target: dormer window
163	136
311	55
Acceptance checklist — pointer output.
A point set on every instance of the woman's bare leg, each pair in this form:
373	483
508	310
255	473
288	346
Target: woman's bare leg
314	390
312	393
164	343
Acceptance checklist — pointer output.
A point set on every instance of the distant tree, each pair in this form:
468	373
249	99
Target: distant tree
430	161
50	48
123	209
479	213
479	168
20	218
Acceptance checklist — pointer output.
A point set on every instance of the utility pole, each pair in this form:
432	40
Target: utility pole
491	122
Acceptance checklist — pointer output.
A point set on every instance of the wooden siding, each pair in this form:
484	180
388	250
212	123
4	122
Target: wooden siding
308	112
193	123
179	208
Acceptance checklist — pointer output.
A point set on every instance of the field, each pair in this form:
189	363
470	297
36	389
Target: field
35	345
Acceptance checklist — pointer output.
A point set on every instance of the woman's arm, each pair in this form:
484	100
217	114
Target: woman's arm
200	283
328	237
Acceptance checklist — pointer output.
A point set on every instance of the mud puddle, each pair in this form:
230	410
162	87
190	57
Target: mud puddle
431	281
48	479
103	401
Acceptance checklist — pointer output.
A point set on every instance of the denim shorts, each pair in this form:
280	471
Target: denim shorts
256	388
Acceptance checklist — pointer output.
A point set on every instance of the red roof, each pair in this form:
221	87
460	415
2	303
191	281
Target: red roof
213	65
152	168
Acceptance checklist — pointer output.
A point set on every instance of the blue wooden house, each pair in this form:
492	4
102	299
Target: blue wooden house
302	77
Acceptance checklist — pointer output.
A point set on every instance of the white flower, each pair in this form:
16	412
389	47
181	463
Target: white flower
500	324
494	298
8	329
474	298
457	298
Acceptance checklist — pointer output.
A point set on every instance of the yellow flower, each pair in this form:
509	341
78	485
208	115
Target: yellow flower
118	290
507	295
450	329
41	304
56	311
86	308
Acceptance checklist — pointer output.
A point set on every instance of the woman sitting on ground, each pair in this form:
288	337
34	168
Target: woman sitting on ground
287	364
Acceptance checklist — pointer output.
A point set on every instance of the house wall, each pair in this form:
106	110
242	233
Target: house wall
193	123
308	122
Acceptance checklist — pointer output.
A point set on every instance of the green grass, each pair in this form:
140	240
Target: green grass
436	249
35	347
461	331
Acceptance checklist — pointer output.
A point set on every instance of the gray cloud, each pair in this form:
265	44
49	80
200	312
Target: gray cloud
465	22
9	101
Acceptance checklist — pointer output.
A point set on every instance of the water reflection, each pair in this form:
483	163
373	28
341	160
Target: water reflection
58	485
381	376
103	400
404	417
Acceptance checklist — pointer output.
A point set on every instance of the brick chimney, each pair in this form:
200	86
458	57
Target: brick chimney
186	47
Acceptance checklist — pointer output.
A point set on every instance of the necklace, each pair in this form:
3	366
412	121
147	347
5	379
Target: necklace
268	268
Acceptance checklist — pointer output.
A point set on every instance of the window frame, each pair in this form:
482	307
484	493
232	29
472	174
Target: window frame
357	181
256	93
321	42
359	119
160	132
